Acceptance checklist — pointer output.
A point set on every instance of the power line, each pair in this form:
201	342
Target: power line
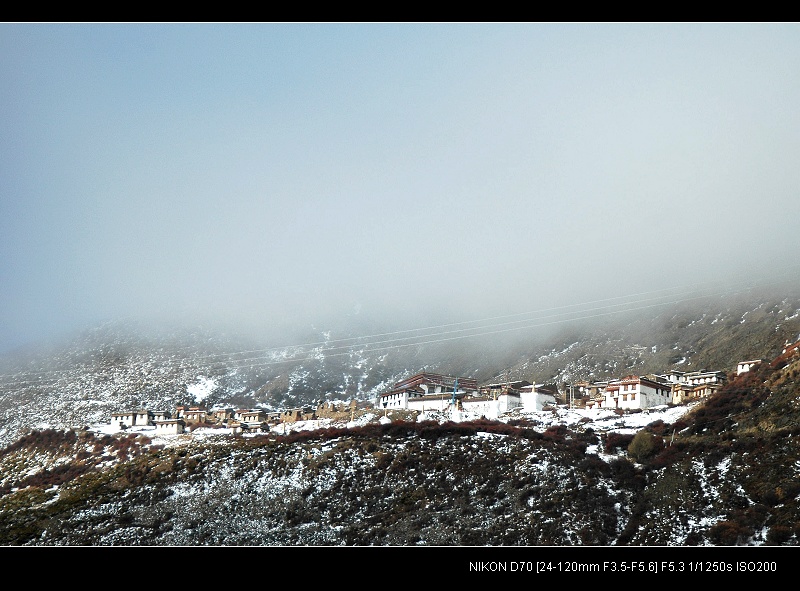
228	361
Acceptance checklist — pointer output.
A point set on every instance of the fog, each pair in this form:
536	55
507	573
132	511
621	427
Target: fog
264	176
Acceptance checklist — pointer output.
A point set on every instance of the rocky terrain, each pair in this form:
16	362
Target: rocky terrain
721	473
724	473
119	366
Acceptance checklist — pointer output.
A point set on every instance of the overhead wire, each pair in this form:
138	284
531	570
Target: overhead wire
424	336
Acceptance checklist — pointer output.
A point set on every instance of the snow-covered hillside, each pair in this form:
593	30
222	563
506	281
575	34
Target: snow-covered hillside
601	420
115	367
722	472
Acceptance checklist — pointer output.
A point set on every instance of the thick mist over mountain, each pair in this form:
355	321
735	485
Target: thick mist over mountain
116	366
276	214
266	178
720	471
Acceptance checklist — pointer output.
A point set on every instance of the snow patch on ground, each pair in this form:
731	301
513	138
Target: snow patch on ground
599	419
201	390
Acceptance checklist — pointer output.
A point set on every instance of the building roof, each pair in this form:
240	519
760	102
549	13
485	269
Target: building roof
512	384
435	379
440	396
171	421
631	379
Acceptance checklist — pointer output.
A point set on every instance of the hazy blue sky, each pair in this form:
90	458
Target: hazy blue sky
262	173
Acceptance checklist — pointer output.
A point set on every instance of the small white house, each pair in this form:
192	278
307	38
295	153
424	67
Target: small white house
253	417
534	399
170	427
161	415
123	420
432	402
195	415
143	418
483	406
704	377
744	366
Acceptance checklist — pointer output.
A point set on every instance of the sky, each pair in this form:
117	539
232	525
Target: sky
262	175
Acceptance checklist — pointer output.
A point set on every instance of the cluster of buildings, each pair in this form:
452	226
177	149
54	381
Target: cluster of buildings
435	392
238	421
462	396
635	392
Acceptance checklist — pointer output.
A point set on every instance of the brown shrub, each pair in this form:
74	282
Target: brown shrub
727	533
616	441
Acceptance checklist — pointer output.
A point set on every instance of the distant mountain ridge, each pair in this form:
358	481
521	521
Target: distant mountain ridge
116	366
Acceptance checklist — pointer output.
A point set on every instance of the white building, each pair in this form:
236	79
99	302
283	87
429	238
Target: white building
123	420
253	417
532	398
489	406
133	418
161	415
636	392
433	402
691	385
170	427
483	406
143	418
744	366
421	386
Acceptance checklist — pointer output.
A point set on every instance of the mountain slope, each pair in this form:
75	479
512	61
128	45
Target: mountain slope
725	474
118	367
